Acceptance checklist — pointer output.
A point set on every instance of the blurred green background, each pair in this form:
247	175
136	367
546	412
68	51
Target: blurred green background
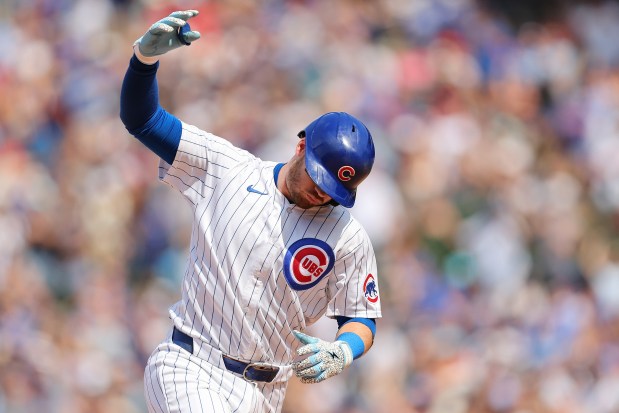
492	205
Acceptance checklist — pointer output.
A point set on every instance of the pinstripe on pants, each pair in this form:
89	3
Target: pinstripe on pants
178	382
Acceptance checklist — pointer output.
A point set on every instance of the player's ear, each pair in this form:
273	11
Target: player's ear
300	150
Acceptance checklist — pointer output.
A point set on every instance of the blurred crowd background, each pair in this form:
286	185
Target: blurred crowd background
493	205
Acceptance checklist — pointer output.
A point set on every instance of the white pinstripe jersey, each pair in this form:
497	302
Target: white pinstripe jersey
258	265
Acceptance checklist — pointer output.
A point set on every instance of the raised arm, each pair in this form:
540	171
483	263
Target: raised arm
140	110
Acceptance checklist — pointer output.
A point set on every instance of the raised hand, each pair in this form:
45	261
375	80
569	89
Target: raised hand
167	34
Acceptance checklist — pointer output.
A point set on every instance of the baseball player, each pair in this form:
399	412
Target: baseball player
273	249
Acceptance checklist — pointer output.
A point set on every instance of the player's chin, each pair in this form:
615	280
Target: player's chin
306	201
314	201
305	204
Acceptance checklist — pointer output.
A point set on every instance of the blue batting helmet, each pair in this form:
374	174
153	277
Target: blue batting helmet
339	154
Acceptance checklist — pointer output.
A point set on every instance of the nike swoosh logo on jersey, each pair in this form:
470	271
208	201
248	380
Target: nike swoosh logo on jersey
251	188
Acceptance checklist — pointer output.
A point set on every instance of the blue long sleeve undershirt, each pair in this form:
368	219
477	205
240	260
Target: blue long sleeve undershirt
142	114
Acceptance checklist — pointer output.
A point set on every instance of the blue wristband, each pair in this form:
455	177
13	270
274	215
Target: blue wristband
355	342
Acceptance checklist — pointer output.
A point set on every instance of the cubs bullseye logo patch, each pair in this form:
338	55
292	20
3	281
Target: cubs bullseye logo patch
306	262
370	289
345	173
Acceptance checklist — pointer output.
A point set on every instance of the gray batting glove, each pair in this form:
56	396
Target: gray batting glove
168	34
326	359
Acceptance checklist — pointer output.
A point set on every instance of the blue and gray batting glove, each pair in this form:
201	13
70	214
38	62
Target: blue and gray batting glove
326	359
168	34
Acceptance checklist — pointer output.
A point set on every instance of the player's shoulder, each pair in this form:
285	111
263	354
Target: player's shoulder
266	164
353	234
215	143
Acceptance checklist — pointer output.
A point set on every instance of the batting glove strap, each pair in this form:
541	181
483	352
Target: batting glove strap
326	359
167	34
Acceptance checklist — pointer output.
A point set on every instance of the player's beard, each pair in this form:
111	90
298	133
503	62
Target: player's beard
296	179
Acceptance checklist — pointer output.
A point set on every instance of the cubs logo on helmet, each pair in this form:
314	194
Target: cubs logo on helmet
370	289
306	262
345	173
